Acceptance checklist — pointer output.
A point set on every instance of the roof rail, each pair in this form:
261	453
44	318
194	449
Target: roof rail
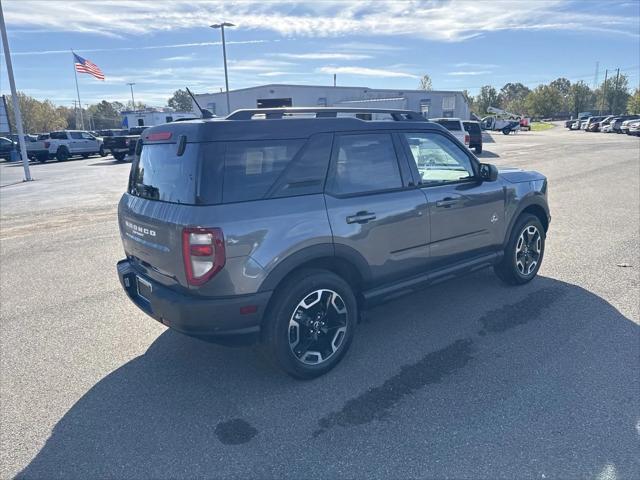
323	112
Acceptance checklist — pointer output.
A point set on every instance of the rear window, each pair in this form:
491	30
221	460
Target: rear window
450	124
471	127
159	174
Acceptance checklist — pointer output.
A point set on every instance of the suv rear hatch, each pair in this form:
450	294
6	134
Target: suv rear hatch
158	207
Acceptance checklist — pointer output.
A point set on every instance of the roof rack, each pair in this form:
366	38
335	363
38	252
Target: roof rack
323	112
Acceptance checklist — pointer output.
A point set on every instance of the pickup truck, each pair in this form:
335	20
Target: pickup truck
36	150
123	146
65	144
455	126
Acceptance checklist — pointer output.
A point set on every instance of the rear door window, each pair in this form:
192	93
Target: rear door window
364	163
58	135
252	168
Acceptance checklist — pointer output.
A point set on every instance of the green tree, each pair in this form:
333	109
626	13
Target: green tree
425	83
512	97
180	101
103	115
37	116
581	98
613	95
633	104
488	97
469	99
544	101
563	87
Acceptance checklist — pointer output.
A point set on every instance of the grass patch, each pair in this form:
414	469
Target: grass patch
539	126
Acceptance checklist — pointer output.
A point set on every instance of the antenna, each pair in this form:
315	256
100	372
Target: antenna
205	113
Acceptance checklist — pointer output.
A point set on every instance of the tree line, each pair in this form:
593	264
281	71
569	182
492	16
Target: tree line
559	99
39	116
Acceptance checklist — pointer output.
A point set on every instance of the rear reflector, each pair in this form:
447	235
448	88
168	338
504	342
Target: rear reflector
159	136
203	253
248	309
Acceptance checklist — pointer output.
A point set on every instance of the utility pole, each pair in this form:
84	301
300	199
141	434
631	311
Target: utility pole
616	86
133	102
334	79
14	99
596	77
604	91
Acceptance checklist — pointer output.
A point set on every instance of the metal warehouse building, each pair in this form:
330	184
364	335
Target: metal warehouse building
432	103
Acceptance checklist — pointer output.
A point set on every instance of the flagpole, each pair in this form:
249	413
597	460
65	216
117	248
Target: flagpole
75	74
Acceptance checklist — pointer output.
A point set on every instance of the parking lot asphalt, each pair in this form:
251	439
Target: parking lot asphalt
467	379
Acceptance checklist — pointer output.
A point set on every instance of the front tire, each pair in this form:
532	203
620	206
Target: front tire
524	252
102	151
311	323
506	131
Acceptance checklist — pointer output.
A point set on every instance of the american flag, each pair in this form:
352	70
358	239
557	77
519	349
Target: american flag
85	66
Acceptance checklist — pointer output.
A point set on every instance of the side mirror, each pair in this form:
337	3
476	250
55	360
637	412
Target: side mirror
488	172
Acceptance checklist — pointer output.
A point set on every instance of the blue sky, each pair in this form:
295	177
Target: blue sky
165	45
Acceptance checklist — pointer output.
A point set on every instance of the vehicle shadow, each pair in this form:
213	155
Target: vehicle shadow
487	154
543	383
106	163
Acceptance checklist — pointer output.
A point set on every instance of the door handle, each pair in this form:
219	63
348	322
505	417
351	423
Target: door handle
361	217
447	202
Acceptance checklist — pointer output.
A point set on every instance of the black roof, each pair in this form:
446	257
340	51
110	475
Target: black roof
288	123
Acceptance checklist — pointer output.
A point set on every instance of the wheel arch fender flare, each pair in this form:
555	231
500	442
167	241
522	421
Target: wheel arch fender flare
313	256
535	204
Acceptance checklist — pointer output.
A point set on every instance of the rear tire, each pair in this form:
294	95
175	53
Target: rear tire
62	154
120	156
43	158
85	155
310	324
524	252
478	149
506	131
102	151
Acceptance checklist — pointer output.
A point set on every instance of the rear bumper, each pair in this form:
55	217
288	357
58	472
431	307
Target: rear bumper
194	315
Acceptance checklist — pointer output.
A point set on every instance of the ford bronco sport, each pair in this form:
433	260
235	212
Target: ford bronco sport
289	222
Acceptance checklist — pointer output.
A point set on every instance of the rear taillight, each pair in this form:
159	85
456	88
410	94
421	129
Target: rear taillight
466	139
203	253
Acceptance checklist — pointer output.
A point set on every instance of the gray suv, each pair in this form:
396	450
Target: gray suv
289	222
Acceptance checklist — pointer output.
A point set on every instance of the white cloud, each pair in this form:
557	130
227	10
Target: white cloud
366	72
136	48
323	56
475	65
468	73
448	21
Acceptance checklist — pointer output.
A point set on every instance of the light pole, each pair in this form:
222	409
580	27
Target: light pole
14	98
133	102
224	56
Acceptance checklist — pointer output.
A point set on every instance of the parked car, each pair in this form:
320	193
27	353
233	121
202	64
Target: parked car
111	132
616	123
124	146
591	120
289	227
455	126
36	149
65	144
596	125
634	128
475	135
624	126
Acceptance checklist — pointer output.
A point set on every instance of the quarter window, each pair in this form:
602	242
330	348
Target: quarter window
438	159
251	168
76	135
365	163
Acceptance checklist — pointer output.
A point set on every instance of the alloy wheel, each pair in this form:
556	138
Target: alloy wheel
528	250
318	326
